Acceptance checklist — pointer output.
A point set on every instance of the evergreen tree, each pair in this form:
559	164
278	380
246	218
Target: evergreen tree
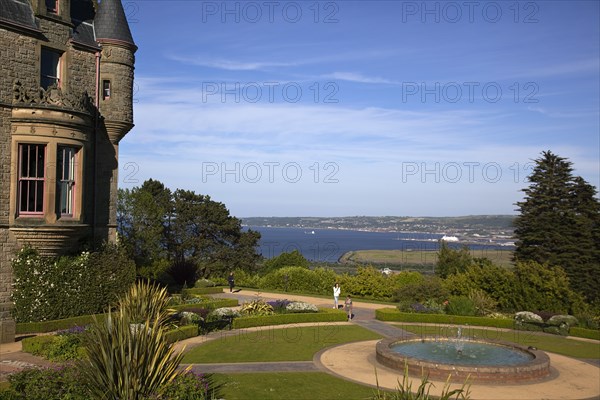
559	223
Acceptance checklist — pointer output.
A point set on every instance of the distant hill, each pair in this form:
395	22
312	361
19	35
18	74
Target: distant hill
470	225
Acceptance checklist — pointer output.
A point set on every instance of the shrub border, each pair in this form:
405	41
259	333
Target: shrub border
391	314
181	333
57	324
324	315
584	333
202	290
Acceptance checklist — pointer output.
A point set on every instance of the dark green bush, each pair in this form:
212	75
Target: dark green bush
48	384
460	305
37	345
57	288
430	288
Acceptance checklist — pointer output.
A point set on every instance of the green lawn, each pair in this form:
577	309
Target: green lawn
552	343
289	385
293	343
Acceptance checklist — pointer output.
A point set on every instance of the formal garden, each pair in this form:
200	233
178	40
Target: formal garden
112	318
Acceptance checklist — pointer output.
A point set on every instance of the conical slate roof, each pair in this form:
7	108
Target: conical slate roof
110	22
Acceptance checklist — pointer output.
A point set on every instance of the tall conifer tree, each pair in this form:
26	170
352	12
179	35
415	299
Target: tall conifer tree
559	223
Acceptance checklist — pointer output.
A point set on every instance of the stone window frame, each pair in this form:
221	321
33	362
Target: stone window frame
50	214
59	78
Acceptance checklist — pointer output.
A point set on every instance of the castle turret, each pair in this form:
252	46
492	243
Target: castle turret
115	103
116	68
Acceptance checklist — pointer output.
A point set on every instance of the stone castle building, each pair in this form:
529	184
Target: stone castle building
66	88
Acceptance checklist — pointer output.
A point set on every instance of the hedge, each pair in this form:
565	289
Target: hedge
209	304
324	315
584	333
48	288
58	324
202	290
391	314
181	333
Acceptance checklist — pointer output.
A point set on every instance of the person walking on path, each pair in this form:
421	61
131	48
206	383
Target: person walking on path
336	294
348	304
231	282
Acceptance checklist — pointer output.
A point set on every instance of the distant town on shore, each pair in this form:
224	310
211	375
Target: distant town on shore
471	228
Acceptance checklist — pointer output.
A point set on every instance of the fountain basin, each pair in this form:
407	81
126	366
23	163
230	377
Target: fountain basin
520	365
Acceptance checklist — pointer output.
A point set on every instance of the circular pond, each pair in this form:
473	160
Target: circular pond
480	360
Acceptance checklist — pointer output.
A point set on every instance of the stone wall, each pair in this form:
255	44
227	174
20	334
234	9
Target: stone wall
19	61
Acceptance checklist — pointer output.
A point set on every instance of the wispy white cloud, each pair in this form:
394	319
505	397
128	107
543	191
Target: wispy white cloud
230	65
360	78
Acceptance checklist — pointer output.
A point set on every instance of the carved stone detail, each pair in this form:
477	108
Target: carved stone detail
53	96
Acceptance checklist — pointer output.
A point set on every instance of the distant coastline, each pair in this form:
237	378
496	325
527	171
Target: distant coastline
330	244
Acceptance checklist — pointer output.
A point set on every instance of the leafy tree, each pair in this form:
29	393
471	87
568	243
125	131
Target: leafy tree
452	261
143	221
286	259
559	223
170	231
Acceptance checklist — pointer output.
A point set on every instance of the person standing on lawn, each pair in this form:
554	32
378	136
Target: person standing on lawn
336	294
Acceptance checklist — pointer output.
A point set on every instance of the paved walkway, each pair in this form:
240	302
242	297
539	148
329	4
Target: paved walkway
580	382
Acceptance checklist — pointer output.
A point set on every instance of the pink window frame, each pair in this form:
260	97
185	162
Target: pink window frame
22	179
60	178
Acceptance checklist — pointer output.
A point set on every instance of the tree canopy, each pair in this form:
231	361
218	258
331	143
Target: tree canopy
559	223
161	229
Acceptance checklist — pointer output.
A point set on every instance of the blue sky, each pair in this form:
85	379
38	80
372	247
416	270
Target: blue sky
336	108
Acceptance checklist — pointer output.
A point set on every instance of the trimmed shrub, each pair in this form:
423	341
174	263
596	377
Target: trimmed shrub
393	315
324	315
585	333
181	333
55	325
208	304
202	290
